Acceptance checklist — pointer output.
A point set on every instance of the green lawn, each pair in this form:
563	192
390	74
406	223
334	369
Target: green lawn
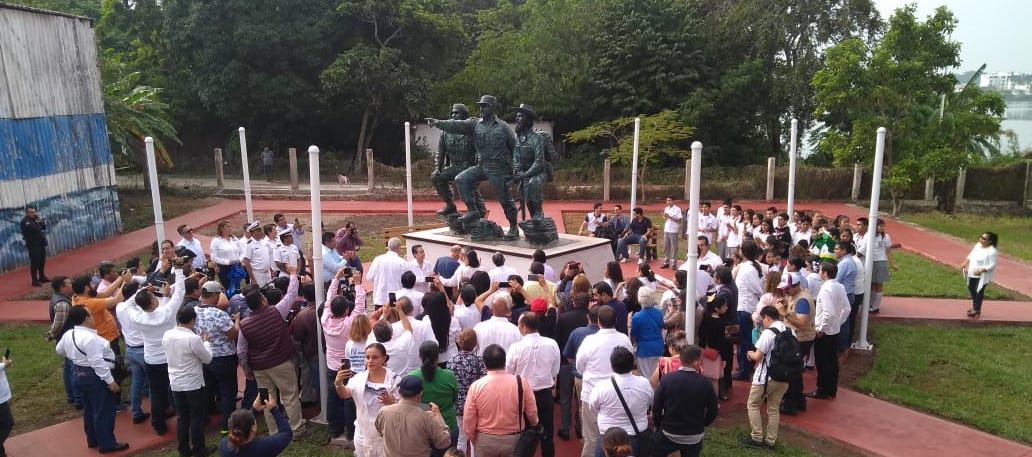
919	276
37	390
976	375
1015	231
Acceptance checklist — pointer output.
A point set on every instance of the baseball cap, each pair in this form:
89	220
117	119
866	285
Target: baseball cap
538	305
410	386
211	287
788	280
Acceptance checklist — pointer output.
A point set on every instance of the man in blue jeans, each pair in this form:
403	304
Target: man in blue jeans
133	353
636	230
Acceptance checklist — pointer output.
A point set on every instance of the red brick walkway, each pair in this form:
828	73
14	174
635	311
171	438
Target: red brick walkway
875	426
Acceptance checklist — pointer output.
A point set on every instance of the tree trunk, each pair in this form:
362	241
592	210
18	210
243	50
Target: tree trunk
356	160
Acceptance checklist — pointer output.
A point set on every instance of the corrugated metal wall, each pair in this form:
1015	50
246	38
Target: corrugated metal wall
54	150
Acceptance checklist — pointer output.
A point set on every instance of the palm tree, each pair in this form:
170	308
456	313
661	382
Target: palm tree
133	113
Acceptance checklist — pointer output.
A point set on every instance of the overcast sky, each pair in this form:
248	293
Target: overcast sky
994	32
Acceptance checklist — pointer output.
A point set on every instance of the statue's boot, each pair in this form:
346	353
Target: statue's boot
471	216
514	231
449	208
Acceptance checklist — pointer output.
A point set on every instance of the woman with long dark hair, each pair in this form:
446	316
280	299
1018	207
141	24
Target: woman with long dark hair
613	275
980	267
225	252
749	283
440	386
446	328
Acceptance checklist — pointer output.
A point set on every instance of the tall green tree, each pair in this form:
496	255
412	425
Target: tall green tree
134	112
898	82
402	47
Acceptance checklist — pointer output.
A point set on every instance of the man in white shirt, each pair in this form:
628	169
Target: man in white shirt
399	346
536	359
671	231
708	225
831	311
154	317
421	330
706	257
421	268
592	362
802	231
133	352
500	273
735	227
592	221
497	330
408	290
187	353
723	217
636	392
193	244
385	272
257	259
286	254
763	388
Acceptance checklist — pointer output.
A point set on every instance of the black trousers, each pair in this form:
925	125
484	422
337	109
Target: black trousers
37	260
794	398
6	425
157	376
825	353
976	294
546	416
569	407
193	411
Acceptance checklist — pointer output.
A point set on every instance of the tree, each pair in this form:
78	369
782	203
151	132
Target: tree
134	112
402	44
661	138
897	82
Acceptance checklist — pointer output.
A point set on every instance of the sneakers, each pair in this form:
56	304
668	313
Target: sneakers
751	443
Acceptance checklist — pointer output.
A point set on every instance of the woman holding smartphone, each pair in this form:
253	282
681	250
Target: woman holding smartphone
371	390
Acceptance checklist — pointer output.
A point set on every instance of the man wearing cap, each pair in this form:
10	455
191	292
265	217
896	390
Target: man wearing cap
455	153
494	142
536	359
286	254
193	244
797	309
831	311
32	230
529	161
408	428
220	375
257	260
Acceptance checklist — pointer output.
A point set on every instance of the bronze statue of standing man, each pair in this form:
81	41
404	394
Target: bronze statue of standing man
494	142
529	162
455	153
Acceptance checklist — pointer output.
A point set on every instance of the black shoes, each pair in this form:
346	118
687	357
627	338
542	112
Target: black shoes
819	395
563	435
118	447
141	419
44	279
751	443
974	313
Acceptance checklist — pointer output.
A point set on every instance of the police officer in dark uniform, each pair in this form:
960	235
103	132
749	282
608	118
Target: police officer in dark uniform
32	229
455	153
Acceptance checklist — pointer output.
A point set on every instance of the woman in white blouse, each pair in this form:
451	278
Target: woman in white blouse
371	390
225	251
749	282
469	264
979	267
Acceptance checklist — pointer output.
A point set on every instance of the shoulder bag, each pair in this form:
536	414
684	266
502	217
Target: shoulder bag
529	438
118	369
644	436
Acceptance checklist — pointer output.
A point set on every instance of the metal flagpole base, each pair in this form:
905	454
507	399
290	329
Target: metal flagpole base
863	346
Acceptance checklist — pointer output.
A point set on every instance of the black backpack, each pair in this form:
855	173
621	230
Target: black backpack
785	360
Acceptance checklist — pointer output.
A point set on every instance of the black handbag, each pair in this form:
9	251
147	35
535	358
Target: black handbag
644	436
530	436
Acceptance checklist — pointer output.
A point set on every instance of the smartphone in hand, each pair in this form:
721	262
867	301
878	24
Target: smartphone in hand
345	364
263	393
392	298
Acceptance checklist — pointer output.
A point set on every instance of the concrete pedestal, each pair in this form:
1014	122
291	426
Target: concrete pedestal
593	253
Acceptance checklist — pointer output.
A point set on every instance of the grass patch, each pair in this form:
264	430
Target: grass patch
137	209
1015	231
919	276
971	374
37	390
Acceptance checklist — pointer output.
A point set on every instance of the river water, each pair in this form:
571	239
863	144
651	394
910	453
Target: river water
1019	119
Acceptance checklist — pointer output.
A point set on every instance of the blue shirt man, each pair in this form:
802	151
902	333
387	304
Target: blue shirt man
844	252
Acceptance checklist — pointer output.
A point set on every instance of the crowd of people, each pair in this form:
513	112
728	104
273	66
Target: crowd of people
456	355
